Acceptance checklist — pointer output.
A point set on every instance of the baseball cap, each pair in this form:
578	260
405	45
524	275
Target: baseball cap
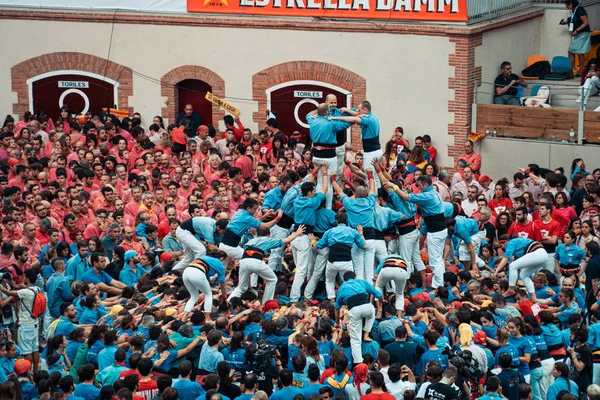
271	305
129	254
22	367
484	178
486	303
165	257
480	337
202	128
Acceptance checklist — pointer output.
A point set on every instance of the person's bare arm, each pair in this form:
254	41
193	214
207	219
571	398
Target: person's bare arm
371	181
294	235
336	188
352	120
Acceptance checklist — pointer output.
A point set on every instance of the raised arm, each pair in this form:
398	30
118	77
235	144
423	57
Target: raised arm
336	188
294	235
351	120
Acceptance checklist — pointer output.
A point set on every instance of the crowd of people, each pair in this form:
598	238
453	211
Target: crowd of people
180	262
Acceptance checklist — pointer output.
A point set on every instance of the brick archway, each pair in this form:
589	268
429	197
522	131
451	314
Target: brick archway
168	89
307	70
73	61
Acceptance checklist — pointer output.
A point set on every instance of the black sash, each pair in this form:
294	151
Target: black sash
435	223
286	221
253	252
339	252
188	226
230	238
371	144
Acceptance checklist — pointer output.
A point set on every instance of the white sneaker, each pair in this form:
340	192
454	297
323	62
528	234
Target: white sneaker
578	101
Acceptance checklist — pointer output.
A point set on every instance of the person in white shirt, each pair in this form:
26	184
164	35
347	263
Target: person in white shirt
396	387
469	205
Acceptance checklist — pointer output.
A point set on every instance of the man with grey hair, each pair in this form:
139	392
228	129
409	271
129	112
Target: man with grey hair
112	239
260	395
442	185
484	218
30	241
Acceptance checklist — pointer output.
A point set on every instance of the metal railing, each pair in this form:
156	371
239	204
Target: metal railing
484	10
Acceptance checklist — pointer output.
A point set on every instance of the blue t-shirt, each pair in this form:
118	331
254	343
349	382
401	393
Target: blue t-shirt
524	346
188	390
87	391
91	277
430	355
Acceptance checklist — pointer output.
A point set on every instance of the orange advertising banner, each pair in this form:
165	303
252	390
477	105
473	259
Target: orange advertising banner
393	10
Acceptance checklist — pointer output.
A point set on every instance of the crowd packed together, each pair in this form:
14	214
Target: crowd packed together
180	262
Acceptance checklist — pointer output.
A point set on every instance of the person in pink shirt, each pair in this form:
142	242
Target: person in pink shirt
186	186
242	161
473	159
30	241
98	227
10	232
129	242
237	198
6	255
23	172
136	201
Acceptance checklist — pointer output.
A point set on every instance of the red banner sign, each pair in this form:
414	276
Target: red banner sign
395	10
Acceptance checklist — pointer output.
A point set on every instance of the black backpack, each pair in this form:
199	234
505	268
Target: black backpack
538	69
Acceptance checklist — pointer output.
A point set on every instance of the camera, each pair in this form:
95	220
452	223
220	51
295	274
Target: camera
264	355
470	363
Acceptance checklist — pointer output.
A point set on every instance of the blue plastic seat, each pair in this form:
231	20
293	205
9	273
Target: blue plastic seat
560	65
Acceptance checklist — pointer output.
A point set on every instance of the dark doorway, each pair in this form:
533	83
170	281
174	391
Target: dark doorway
193	91
74	90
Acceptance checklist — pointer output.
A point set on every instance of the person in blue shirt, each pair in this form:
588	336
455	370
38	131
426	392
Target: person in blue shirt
86	388
432	209
323	130
197	277
568	256
67	385
101	279
470	234
355	294
252	262
385	220
54	237
567	307
282	228
361	211
235	353
287	391
561	382
493	387
106	357
191	232
339	241
79	264
432	354
241	221
407	245
58	288
324	221
91	312
393	268
186	388
313	387
305	209
529	257
132	271
210	355
369	131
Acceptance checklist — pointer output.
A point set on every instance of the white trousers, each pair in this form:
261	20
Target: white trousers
364	260
250	266
525	267
380	251
303	255
547	378
277	232
392	246
340	152
367	158
397	275
331	166
589	88
195	282
435	248
192	248
331	273
317	272
356	316
463	249
408	249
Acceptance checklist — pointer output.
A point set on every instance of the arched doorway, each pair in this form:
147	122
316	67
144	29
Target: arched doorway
81	91
193	91
291	101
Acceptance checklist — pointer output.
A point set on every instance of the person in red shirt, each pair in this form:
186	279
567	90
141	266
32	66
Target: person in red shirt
549	233
429	148
377	393
147	387
239	131
522	227
500	202
242	161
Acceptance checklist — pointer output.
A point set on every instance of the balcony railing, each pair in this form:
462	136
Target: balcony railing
484	10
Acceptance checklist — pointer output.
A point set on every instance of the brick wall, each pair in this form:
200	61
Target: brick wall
307	70
173	77
27	69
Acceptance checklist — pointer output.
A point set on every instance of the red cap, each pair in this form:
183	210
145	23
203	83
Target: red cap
484	178
13	161
202	128
271	305
166	257
480	337
22	367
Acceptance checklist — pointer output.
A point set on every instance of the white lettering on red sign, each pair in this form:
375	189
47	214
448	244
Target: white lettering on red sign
308	94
